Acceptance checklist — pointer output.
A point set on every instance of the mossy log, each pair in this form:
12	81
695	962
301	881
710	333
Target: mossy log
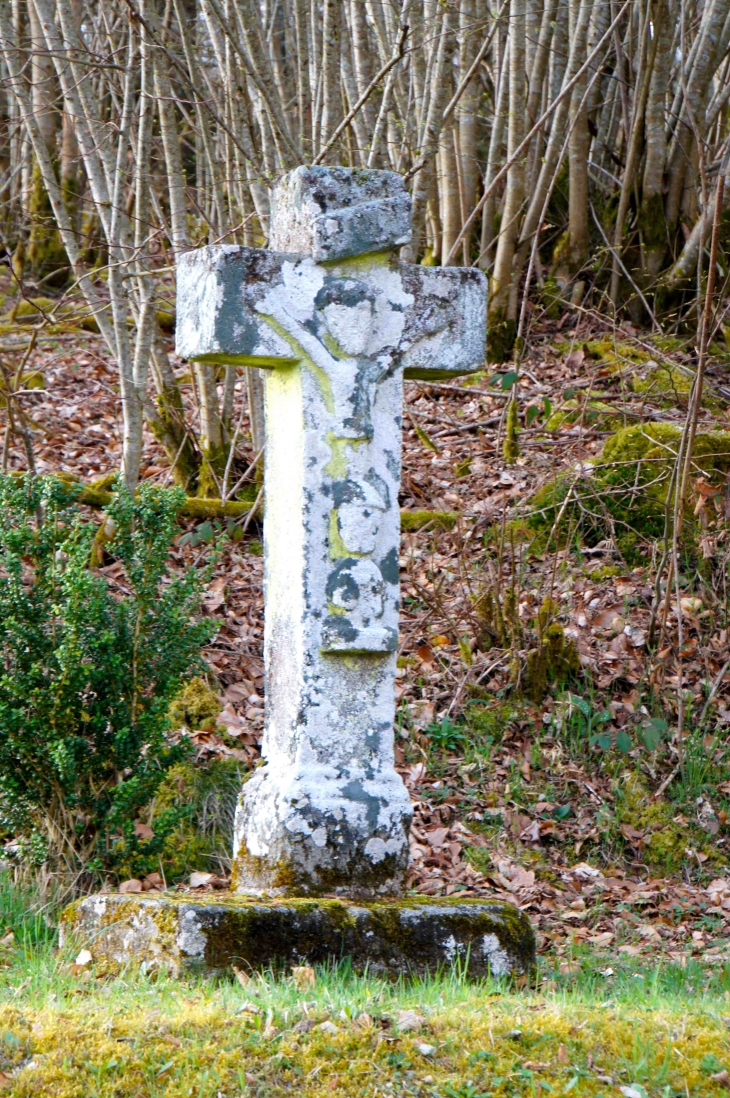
194	507
98	494
410	521
29	310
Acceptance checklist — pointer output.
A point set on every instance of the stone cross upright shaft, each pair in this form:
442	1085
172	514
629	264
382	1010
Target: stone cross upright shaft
337	322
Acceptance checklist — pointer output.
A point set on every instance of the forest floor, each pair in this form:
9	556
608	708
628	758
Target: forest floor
555	778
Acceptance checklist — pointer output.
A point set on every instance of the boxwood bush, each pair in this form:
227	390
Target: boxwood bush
88	667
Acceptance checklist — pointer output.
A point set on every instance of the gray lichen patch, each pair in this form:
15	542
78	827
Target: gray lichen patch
413	935
334	213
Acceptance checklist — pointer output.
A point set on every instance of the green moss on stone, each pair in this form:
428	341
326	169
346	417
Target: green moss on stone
625	495
415	934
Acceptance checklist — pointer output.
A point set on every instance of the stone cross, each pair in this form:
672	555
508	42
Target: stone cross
337	323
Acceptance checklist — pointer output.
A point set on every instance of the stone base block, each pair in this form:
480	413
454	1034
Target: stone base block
184	931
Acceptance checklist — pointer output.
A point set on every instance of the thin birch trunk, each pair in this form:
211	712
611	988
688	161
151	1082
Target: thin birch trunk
502	302
496	142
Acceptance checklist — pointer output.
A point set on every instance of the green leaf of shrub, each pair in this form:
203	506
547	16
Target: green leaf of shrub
624	742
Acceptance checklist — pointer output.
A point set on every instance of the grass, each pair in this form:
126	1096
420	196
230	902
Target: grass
589	1025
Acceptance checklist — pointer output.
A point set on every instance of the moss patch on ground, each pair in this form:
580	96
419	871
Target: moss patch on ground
594	414
204	798
612	354
672	385
623	496
664	847
325	1031
195	706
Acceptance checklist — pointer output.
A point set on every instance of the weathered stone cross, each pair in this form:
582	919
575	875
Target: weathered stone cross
337	322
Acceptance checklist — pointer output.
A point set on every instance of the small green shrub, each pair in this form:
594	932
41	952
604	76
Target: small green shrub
88	672
542	654
447	736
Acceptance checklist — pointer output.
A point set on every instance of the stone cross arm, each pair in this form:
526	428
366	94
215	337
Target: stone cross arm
251	307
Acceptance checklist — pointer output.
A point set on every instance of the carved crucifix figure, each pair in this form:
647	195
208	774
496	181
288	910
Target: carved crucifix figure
337	323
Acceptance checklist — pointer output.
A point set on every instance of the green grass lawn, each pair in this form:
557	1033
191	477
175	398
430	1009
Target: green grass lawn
591	1024
659	1031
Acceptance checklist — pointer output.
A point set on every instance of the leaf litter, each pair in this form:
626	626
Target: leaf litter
473	832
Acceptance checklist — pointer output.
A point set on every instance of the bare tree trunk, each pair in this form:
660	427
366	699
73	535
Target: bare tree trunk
45	251
496	141
576	251
467	115
646	63
331	99
651	223
502	303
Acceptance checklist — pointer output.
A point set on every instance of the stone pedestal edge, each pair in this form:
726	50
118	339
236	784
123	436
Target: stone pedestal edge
185	931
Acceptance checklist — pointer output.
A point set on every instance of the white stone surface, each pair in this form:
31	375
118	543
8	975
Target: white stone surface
328	811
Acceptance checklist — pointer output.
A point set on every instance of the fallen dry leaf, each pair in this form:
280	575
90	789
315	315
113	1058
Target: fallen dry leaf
200	880
408	1020
243	979
132	885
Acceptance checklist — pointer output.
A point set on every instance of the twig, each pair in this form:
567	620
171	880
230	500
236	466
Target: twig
713	690
666	783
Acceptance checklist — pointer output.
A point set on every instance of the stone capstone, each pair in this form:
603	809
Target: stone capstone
335	213
416	935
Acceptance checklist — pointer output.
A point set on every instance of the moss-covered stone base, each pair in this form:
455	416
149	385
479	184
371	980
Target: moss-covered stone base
418	934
